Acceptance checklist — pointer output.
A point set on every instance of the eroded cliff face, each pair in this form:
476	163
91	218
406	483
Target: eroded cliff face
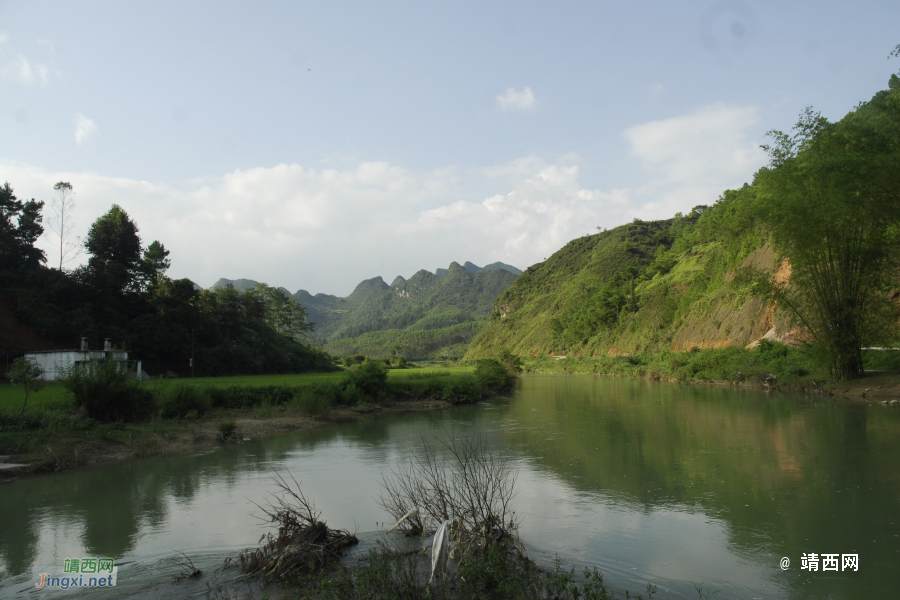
745	324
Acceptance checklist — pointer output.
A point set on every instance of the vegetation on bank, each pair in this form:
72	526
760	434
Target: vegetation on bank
123	294
418	344
102	403
807	253
770	363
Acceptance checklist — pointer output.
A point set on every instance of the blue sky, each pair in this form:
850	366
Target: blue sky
314	145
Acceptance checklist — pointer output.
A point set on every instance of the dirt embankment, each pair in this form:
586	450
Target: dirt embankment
876	386
71	451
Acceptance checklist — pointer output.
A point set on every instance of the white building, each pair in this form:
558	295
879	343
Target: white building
55	363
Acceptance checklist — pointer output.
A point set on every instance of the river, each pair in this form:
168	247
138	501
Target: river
659	483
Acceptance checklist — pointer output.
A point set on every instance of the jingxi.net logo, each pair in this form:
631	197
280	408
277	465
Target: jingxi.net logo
82	572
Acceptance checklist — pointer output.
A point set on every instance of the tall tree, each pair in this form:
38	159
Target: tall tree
20	227
154	264
831	198
63	206
115	249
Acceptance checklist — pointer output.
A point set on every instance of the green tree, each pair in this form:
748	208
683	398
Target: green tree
154	264
281	312
831	199
115	249
20	227
27	373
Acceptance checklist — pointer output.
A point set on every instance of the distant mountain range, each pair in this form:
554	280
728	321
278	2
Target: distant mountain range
476	269
429	315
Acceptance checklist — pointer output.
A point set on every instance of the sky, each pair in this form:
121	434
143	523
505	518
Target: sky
313	145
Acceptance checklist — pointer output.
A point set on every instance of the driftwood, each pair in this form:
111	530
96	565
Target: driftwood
303	541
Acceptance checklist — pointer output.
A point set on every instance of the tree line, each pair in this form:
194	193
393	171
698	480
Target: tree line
122	292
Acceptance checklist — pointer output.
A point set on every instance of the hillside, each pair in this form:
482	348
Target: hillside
645	286
429	315
829	201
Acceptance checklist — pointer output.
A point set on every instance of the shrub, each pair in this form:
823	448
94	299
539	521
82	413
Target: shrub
369	379
771	350
312	401
247	397
228	431
354	359
178	401
509	360
107	392
493	375
464	389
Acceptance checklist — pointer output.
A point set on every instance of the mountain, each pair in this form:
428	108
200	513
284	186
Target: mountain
428	315
238	284
645	286
472	268
421	314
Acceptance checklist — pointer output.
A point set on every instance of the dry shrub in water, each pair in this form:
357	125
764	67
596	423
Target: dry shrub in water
472	488
303	541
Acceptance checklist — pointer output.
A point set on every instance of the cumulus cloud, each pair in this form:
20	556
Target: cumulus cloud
692	158
513	99
325	229
84	128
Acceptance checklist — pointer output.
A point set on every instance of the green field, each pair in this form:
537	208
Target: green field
54	396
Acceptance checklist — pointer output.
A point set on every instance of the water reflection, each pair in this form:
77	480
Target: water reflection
658	483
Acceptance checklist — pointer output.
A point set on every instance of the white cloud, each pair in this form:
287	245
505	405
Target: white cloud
84	128
326	229
516	100
657	90
693	158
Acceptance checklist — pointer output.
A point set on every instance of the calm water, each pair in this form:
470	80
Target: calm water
653	483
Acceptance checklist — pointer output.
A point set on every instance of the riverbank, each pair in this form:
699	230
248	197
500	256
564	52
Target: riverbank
770	366
74	448
60	432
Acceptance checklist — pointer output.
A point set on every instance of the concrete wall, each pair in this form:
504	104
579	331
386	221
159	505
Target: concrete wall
55	362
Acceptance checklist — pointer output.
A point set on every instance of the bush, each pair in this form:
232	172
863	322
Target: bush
369	381
493	375
313	401
464	389
228	431
178	401
107	392
248	397
509	360
354	359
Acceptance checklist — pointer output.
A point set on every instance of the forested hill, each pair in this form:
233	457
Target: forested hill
644	286
817	231
429	315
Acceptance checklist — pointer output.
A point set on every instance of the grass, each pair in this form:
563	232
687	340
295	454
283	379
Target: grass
791	366
57	434
55	398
